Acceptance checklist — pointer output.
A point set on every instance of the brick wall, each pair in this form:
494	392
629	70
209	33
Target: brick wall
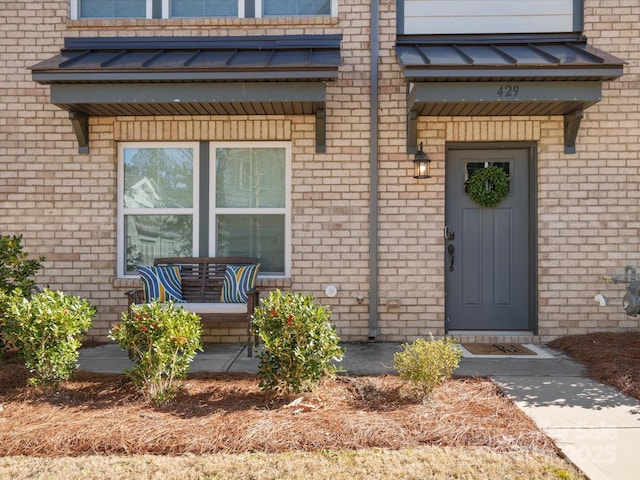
588	216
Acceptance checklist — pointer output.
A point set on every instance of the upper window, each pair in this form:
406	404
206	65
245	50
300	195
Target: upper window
112	8
161	196
283	8
203	8
490	16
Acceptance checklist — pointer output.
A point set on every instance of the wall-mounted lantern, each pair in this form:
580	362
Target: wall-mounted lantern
421	164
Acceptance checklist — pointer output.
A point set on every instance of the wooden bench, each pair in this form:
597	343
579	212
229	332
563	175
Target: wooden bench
202	280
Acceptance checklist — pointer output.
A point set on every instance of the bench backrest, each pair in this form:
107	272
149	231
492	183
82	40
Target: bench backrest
202	277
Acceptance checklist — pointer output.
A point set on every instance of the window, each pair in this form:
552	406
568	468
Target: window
289	8
201	8
250	205
204	8
111	8
158	203
161	199
431	17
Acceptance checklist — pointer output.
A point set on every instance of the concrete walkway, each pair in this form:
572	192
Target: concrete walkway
596	427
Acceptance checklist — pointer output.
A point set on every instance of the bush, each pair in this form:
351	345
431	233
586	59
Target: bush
162	340
425	364
300	343
46	329
16	271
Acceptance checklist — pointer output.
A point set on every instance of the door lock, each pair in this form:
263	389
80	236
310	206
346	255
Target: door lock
448	234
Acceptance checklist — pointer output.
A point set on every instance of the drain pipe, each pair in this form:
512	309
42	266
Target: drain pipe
373	176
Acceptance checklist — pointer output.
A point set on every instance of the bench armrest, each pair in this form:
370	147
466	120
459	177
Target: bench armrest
253	296
135	296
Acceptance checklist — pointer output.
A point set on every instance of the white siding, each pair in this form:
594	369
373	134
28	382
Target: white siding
487	16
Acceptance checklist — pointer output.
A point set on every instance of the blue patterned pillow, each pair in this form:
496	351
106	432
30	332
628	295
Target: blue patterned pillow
238	280
162	283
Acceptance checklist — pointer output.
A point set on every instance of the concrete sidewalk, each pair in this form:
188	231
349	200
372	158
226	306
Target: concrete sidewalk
596	427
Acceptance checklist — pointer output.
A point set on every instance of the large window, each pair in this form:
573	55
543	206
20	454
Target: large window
162	200
158	203
250	204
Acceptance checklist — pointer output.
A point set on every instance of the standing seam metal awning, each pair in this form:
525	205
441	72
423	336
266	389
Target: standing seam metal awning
481	75
272	75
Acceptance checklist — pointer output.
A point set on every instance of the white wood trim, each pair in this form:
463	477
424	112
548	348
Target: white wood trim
73	10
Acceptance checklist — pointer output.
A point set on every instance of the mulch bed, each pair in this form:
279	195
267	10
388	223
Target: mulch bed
97	413
610	358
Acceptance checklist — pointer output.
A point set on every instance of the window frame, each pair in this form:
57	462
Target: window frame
122	212
286	210
204	197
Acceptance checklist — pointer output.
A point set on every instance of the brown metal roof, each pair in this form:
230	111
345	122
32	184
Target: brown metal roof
503	75
504	58
272	75
192	59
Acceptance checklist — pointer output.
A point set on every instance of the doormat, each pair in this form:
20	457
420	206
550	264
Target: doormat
497	349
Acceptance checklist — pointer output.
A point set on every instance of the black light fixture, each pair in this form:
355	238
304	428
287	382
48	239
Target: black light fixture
421	164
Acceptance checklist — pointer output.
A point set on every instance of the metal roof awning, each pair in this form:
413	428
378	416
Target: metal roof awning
485	75
271	75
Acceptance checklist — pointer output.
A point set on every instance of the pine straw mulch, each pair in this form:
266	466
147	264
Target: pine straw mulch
98	413
610	358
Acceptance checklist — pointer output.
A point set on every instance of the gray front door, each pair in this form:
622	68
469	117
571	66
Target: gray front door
487	249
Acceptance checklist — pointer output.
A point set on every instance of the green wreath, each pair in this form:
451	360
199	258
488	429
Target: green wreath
488	186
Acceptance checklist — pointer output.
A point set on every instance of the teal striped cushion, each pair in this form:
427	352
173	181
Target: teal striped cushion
162	283
238	280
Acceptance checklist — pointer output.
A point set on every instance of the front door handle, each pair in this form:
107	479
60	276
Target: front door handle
451	249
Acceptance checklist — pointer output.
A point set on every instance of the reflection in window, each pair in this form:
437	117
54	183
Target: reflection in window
157	204
112	8
151	236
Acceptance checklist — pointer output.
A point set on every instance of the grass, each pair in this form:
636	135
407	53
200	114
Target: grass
473	463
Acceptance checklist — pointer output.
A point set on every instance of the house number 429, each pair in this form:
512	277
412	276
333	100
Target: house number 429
506	91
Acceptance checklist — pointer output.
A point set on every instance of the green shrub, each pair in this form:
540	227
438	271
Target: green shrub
299	342
16	271
162	340
425	364
46	329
